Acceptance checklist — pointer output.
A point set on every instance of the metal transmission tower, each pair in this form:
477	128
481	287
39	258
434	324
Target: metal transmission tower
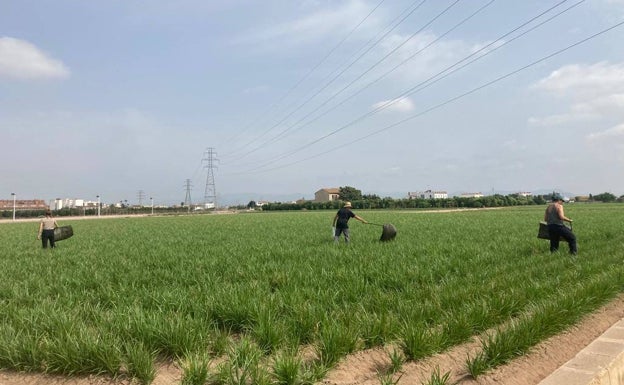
141	196
210	193
187	199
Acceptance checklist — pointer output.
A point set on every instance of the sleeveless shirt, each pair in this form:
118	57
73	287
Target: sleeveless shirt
48	223
552	218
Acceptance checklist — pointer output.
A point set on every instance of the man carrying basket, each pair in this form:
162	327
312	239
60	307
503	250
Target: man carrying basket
555	217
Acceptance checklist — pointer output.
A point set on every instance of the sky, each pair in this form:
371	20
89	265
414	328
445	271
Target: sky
276	99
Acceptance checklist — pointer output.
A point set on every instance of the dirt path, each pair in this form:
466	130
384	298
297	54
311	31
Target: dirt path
361	368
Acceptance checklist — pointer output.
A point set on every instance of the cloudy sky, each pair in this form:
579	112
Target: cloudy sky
124	98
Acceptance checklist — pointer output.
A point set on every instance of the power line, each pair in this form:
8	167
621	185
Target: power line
447	71
283	132
331	51
199	166
327	84
385	74
430	80
455	98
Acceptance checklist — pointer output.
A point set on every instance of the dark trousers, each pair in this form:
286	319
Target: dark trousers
558	231
339	231
47	235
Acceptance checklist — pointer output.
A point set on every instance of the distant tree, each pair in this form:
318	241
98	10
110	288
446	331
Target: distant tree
605	197
251	204
348	193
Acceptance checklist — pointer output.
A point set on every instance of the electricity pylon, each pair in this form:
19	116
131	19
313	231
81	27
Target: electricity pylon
187	199
210	193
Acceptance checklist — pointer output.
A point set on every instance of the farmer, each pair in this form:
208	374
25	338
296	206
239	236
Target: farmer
555	217
46	230
341	222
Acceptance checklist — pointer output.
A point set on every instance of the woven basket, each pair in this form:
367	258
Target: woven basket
388	233
542	232
63	232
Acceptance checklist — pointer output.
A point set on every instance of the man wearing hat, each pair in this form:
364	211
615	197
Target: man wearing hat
555	217
341	221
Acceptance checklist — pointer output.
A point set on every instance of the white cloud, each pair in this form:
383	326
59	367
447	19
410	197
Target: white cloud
612	133
22	60
577	113
256	90
396	105
592	92
579	80
608	146
615	2
422	56
513	145
310	28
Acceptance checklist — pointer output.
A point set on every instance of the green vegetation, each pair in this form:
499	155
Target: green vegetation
268	298
439	379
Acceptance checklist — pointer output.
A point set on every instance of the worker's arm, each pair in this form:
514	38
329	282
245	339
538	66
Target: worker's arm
360	219
561	215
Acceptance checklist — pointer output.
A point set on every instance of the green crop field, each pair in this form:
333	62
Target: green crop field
241	299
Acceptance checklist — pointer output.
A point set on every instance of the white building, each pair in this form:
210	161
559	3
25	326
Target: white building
73	203
429	194
471	195
68	203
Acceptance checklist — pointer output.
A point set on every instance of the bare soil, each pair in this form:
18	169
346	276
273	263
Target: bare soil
361	368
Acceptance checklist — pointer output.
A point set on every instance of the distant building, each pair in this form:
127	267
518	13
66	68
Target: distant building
525	194
70	203
471	195
23	204
327	194
429	194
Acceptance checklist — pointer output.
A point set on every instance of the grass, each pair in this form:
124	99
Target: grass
254	290
195	369
439	379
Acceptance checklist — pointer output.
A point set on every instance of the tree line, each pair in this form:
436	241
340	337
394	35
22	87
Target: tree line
372	201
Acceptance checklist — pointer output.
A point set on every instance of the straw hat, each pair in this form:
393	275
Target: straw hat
347	204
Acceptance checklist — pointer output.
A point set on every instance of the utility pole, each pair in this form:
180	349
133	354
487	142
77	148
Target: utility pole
210	193
187	199
13	194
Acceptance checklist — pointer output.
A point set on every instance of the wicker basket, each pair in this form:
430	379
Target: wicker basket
542	232
388	233
63	232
